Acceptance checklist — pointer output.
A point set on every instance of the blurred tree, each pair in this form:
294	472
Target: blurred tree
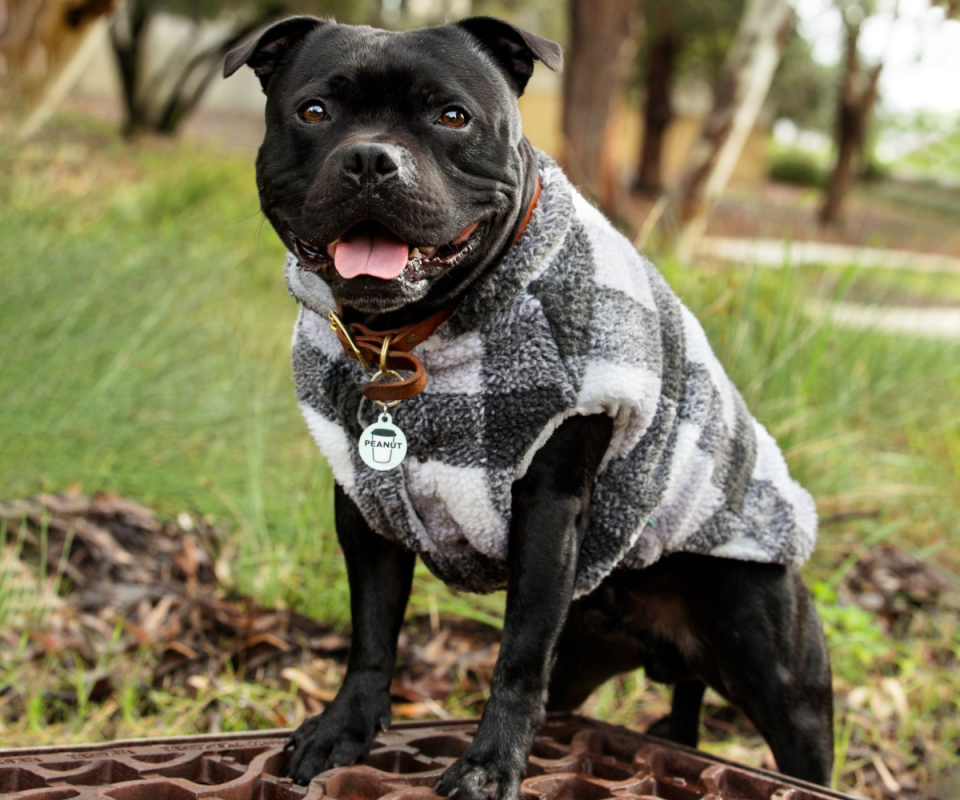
800	89
602	40
44	45
858	95
158	98
662	43
857	98
685	41
741	91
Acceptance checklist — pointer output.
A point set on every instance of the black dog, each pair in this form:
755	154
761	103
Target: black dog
379	141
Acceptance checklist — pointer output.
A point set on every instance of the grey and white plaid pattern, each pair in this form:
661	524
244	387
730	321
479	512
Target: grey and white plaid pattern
574	321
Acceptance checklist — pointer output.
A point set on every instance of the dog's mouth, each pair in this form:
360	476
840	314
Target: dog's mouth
369	248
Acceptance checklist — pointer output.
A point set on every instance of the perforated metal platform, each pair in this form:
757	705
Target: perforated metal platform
573	758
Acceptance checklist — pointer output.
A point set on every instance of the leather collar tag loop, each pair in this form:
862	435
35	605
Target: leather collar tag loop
391	350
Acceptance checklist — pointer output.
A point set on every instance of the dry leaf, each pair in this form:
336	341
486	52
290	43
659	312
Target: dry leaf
307	685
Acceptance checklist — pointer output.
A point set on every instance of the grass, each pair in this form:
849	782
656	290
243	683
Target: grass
147	337
146	331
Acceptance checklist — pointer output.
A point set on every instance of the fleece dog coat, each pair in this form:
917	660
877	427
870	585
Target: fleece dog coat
573	321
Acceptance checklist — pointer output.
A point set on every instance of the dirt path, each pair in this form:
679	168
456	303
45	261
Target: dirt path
777	253
889	215
937	323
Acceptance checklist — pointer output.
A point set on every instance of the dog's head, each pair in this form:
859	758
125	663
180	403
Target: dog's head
393	164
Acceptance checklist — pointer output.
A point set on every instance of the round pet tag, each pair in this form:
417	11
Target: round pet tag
383	445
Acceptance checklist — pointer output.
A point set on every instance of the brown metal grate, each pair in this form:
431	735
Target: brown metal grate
573	759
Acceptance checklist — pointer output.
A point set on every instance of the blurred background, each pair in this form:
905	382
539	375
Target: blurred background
169	562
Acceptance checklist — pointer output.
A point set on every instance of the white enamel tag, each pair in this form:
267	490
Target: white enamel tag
383	445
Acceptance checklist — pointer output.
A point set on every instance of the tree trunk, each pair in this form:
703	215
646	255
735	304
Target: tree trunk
603	36
128	37
658	109
44	45
858	94
160	102
198	73
744	82
94	37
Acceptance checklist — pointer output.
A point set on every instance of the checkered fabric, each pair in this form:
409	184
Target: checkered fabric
574	321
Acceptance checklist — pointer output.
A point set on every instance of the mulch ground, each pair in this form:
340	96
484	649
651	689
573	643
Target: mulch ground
158	582
119	568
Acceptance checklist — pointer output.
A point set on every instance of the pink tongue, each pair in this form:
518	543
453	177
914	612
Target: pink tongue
370	250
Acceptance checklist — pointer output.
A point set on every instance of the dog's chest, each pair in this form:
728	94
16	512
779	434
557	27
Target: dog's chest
485	408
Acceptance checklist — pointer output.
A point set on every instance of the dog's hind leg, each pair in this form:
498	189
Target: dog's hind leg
792	706
682	724
747	629
763	649
587	658
583	662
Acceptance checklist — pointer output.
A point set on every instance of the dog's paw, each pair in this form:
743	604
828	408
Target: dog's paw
489	778
337	737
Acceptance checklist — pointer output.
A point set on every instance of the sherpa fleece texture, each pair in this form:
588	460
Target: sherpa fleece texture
574	321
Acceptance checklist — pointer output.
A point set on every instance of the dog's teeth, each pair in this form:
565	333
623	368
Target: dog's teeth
415	253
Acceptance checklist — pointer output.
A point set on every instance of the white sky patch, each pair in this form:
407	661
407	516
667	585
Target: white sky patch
921	49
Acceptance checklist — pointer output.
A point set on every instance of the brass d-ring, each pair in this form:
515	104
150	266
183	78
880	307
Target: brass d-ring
383	374
336	322
384	351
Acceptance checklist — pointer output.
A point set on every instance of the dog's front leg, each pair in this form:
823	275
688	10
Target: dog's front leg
379	573
549	510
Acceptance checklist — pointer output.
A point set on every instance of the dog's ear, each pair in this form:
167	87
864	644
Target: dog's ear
266	50
513	48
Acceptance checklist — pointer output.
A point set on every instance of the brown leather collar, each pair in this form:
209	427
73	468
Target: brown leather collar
399	343
390	350
526	217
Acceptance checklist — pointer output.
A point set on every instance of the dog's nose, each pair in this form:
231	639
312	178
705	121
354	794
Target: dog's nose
370	162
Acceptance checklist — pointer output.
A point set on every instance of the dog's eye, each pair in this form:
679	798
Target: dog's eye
453	118
313	113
